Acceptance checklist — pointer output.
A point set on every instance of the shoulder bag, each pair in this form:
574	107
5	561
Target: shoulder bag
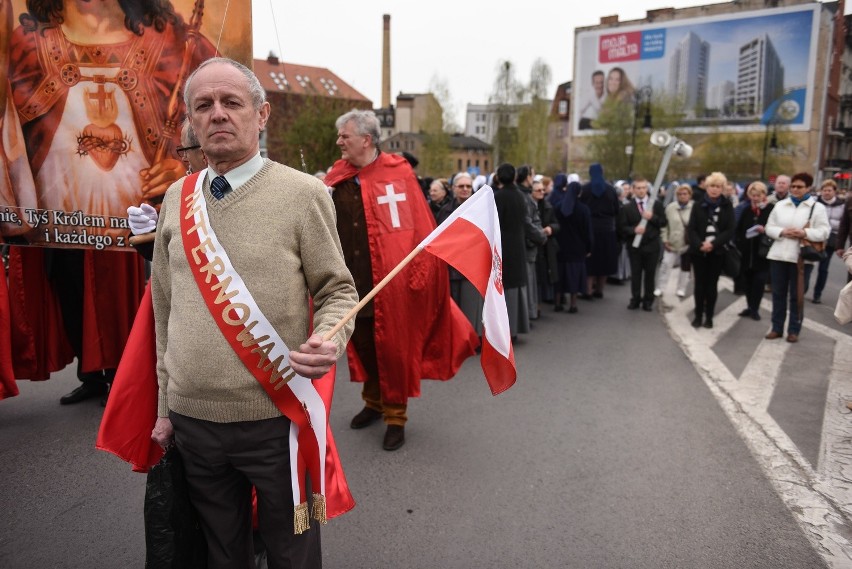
811	250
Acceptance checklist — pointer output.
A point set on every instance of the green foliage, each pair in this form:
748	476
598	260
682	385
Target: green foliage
311	133
615	125
435	151
740	156
529	141
526	141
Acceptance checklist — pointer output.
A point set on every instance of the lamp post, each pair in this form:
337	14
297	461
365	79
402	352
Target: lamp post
643	94
770	143
672	146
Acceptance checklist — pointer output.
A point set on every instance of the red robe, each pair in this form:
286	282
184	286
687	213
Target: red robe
8	388
420	332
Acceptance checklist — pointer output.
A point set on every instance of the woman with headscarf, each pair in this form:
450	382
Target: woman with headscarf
574	240
710	229
603	204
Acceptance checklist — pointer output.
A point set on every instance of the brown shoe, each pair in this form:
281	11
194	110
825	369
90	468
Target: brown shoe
365	418
772	335
394	437
792	338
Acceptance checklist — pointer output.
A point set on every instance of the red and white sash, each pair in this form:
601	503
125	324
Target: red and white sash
259	347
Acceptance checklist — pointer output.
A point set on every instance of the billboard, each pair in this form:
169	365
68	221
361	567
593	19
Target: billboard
734	72
91	105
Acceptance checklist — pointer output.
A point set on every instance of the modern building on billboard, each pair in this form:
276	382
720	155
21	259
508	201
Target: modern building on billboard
760	77
688	71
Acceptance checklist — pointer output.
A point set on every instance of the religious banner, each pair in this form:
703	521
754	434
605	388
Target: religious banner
91	102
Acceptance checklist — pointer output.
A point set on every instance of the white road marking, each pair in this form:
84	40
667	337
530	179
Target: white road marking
820	502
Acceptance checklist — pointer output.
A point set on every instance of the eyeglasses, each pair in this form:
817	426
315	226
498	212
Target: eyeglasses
182	150
798	186
464	186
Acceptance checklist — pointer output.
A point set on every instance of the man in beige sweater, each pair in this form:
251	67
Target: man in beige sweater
274	229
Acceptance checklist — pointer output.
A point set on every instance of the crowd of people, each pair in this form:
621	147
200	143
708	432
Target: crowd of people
565	239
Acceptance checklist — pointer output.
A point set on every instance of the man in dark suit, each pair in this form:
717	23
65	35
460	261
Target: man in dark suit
644	258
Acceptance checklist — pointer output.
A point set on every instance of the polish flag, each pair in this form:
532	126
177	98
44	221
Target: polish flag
469	240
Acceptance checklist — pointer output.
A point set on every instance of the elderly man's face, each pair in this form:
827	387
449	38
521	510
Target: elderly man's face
222	114
356	148
192	158
462	188
782	186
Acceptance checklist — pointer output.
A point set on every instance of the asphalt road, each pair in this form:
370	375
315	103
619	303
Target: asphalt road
609	452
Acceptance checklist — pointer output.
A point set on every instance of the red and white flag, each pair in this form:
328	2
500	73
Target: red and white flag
469	240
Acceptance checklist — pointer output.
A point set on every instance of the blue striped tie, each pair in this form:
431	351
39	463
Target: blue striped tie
219	187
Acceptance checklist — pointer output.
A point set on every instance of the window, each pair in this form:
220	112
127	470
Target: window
563	107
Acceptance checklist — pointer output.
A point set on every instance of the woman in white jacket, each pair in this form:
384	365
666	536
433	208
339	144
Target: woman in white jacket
674	241
786	226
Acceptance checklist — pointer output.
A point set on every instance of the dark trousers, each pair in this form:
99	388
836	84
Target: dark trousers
785	288
707	270
364	341
223	461
754	282
643	271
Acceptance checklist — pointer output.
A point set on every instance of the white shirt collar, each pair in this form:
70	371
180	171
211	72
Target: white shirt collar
241	174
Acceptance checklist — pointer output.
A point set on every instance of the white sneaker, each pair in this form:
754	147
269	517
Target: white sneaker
658	292
680	293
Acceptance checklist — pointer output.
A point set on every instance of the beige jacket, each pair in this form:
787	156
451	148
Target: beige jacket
279	232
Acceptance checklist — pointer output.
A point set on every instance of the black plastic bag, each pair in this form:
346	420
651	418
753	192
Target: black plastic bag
173	536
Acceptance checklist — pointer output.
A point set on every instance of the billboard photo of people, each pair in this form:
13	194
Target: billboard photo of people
732	71
91	96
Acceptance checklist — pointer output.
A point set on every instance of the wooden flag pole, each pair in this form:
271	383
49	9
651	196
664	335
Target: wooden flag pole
351	314
136	240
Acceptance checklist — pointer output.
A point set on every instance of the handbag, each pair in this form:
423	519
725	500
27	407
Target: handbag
764	243
811	250
173	535
732	260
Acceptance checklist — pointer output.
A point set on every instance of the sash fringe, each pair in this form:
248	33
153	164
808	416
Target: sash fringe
301	521
318	511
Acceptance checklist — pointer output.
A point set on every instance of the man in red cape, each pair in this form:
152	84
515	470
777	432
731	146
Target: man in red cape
412	329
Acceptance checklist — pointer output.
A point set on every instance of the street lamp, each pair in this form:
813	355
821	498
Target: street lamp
672	146
643	94
768	143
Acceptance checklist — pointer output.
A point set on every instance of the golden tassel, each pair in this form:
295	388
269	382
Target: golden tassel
318	511
301	522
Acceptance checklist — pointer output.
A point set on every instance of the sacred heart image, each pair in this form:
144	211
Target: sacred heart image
104	145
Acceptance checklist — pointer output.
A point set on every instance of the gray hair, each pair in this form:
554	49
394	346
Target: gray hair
462	175
255	89
187	131
366	124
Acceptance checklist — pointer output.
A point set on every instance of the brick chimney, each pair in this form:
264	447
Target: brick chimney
386	68
609	20
272	59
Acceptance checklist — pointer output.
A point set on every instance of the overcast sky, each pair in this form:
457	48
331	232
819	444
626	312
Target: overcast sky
457	42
